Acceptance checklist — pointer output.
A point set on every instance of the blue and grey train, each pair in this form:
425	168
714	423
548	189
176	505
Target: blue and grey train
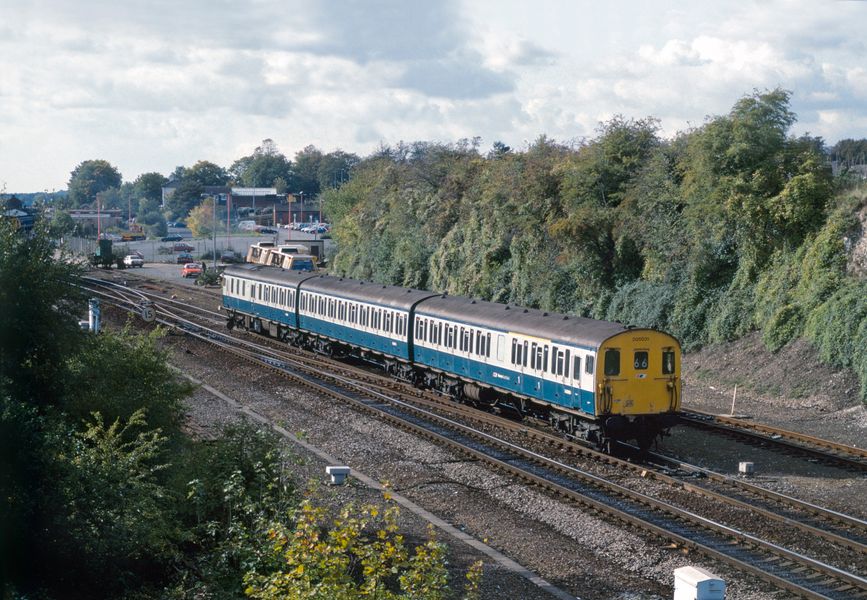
596	380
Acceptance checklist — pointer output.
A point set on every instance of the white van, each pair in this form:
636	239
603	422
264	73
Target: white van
247	225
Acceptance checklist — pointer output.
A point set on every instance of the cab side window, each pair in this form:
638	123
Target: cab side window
612	362
668	362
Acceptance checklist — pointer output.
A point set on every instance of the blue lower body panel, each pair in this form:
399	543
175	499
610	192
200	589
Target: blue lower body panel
511	381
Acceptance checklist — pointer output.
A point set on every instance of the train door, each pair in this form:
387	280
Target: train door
561	370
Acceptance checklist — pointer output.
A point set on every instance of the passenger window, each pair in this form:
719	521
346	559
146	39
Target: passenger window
488	345
589	364
526	352
612	362
514	351
566	363
668	362
576	367
640	362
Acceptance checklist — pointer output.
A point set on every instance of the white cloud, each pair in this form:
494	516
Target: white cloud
165	83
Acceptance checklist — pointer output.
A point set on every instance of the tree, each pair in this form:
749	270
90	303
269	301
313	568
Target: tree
149	186
263	168
39	311
306	171
61	224
201	219
335	169
89	178
206	173
186	196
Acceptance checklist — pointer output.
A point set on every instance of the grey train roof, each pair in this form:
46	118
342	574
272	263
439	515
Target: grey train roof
355	289
267	274
568	329
554	326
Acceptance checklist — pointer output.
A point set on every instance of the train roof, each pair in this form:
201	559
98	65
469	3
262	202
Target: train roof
505	317
366	291
266	274
568	329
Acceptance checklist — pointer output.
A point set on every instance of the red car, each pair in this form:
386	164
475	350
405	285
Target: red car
182	248
191	270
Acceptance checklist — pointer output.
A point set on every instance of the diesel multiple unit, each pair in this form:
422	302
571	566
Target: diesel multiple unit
596	380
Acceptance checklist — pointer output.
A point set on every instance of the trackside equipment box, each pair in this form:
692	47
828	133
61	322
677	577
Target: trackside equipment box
693	583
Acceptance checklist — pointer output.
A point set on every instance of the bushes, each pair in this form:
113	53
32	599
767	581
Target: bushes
838	325
786	324
643	303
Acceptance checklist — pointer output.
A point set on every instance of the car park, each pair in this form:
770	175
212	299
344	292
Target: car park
172	238
182	248
133	260
184	257
191	270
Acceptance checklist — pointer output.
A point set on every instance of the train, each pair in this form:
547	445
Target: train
595	380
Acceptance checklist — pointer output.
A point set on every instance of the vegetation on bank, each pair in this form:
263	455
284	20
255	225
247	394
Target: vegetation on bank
103	495
727	228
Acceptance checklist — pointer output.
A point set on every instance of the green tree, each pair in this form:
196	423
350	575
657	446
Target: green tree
263	168
115	521
37	335
206	173
185	197
89	178
61	224
335	169
306	171
149	186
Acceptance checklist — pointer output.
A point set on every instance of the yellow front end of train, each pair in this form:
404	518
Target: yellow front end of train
638	374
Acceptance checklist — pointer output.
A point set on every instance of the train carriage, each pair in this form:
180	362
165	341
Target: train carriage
597	380
263	299
542	361
373	318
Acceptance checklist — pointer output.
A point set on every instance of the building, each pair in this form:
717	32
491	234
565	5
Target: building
90	218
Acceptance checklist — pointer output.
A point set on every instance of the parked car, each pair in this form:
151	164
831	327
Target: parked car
184	257
191	270
172	238
133	260
267	231
228	257
182	248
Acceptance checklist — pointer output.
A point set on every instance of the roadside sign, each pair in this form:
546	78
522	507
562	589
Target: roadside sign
148	314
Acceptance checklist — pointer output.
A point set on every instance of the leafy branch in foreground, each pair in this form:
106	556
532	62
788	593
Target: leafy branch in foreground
357	552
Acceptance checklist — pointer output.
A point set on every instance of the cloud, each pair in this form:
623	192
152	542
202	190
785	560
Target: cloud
455	79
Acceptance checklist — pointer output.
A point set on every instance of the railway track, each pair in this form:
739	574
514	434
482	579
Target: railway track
790	442
788	570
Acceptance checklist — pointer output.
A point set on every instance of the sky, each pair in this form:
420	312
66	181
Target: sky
152	84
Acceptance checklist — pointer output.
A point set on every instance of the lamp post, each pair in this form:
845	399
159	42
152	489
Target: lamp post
214	230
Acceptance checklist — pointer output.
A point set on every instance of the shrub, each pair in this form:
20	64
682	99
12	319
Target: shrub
642	303
786	324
